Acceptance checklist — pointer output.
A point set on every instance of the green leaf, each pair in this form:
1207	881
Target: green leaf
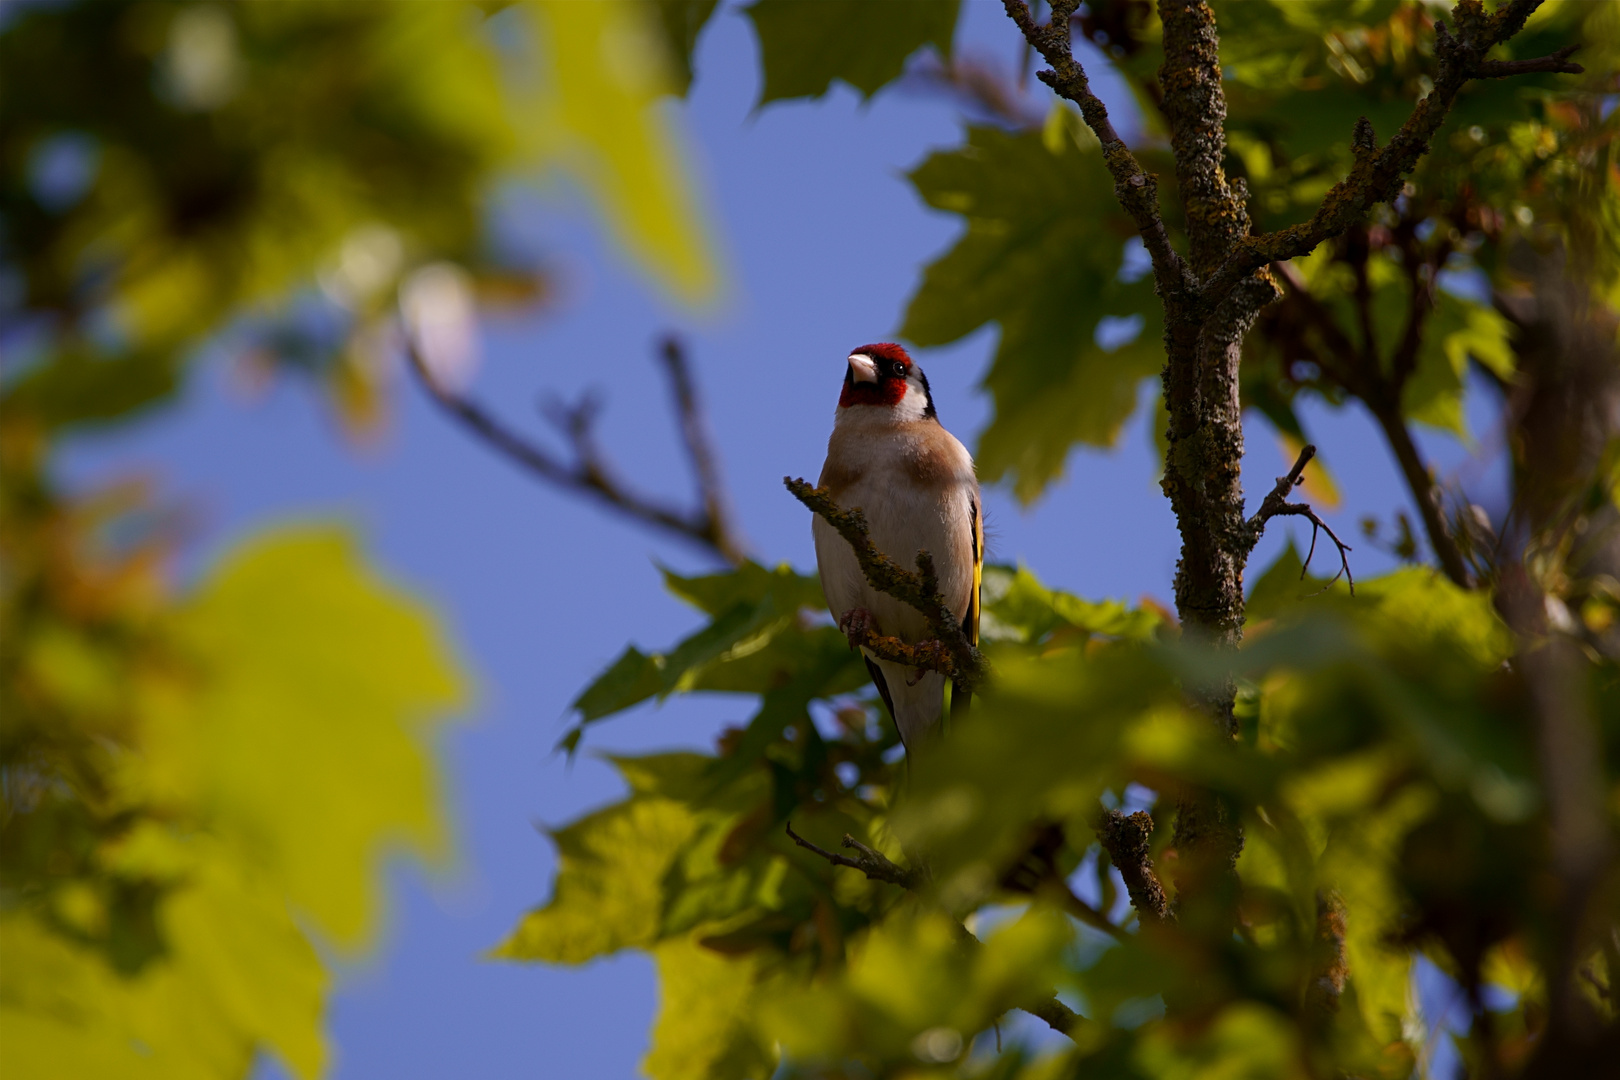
749	584
1041	256
318	670
1458	330
1018	607
705	1026
632	678
608	893
757	641
276	753
597	116
806	44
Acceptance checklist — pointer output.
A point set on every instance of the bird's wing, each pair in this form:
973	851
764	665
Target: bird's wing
960	697
971	623
882	685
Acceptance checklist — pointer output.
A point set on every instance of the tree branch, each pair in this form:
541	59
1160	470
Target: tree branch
874	864
1276	504
1195	106
1340	348
877	867
1425	492
1558	63
1136	190
700	451
950	652
588	473
1330	966
1376	174
1126	841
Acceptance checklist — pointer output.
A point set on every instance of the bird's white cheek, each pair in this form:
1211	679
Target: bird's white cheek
913	405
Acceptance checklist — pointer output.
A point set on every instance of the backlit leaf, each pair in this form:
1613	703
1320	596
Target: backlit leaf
705	1029
311	735
1041	256
806	44
605	69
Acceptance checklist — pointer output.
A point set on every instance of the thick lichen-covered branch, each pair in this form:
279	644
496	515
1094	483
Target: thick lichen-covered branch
1378	172
1194	104
949	652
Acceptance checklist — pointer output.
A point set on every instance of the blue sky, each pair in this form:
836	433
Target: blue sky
822	241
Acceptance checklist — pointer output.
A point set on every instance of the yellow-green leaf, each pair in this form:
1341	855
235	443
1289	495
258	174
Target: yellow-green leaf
308	739
705	1028
605	68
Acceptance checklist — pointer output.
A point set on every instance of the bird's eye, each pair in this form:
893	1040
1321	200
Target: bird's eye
899	370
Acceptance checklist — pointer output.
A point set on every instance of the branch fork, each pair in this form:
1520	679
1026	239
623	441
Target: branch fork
587	472
1276	504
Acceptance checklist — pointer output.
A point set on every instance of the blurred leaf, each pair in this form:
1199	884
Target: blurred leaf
322	672
682	21
1458	330
598	115
80	389
1247	1040
1041	256
913	975
1020	757
705	1029
806	44
240	975
1284	584
1017	607
278	744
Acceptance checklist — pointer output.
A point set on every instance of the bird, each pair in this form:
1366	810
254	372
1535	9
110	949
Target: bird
890	457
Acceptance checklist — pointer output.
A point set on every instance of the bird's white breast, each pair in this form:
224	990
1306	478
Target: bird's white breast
915	483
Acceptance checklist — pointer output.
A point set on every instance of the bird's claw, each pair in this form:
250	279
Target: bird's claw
857	623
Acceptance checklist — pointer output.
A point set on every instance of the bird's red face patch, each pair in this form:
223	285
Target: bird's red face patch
893	365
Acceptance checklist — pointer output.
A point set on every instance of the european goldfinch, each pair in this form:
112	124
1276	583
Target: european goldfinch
890	456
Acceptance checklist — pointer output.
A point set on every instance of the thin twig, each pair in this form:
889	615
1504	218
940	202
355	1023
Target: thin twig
1558	62
1376	174
877	867
874	864
1136	189
1276	504
700	450
950	652
588	473
1086	913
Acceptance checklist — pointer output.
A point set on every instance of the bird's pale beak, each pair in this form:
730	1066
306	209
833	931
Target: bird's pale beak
862	368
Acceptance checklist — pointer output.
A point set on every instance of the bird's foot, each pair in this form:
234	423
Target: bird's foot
858	625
